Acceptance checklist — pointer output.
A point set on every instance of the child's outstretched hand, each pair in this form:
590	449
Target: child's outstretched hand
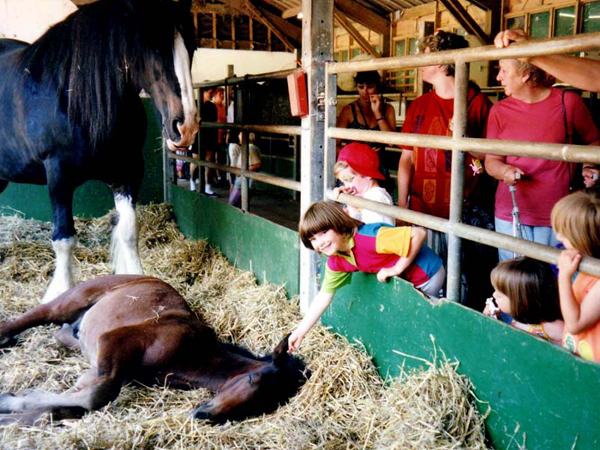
294	341
568	262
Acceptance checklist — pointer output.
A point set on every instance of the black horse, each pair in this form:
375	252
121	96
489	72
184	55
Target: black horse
70	111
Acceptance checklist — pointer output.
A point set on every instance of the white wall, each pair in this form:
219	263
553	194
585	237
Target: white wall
27	20
211	64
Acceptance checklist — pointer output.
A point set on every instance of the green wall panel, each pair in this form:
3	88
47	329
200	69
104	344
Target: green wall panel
93	199
549	394
268	250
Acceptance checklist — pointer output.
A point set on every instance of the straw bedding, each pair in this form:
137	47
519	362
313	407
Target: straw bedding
344	405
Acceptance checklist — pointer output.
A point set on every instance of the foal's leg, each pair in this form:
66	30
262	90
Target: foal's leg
66	308
124	245
120	355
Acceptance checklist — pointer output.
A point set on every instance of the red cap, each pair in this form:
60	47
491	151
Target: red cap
362	159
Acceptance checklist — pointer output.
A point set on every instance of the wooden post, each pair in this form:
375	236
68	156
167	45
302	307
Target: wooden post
317	39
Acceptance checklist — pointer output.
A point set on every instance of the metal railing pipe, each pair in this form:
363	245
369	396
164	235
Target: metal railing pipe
480	235
259	176
276	129
567	44
231	81
556	152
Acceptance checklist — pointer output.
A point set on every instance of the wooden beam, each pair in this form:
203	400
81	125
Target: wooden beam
486	5
292	12
290	30
364	16
213	8
352	31
247	7
466	21
82	2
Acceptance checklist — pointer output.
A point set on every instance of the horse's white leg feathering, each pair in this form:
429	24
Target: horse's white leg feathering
63	274
124	249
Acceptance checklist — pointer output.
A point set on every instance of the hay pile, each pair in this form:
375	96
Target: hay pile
345	404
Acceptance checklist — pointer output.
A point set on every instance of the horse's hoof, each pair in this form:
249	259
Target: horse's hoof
4	403
8	341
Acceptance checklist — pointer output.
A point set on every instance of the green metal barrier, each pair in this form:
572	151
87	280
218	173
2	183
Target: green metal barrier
268	250
540	395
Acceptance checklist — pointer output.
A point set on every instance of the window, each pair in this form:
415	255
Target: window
516	22
404	79
540	25
591	17
564	21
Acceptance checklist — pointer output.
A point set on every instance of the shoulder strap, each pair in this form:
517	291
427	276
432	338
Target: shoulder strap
353	106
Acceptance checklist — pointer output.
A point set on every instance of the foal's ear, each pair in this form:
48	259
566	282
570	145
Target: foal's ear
280	354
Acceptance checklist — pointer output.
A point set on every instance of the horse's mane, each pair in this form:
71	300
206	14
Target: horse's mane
95	55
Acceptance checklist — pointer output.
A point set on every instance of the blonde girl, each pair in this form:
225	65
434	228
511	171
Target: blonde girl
576	223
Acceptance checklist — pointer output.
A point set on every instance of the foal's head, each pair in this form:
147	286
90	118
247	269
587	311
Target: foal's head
259	391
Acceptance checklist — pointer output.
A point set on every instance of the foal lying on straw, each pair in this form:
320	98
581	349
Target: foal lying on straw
138	328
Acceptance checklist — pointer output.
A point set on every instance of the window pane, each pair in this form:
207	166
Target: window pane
344	55
516	22
564	23
540	25
412	46
378	48
591	17
355	52
400	48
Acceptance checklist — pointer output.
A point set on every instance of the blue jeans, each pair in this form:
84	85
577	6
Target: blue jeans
541	235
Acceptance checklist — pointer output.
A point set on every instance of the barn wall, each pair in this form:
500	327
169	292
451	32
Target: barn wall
27	20
211	64
94	198
533	388
268	250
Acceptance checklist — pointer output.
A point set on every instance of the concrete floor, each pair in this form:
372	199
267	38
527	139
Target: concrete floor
278	207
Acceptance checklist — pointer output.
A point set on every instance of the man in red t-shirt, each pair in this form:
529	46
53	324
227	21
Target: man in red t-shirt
424	173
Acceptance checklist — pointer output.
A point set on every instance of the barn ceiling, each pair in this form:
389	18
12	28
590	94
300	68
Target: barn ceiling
280	16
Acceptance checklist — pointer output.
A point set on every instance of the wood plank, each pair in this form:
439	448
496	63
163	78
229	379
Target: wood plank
364	16
352	31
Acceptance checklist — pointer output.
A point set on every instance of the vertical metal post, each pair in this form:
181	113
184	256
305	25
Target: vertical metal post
459	130
244	115
317	38
168	175
245	147
330	103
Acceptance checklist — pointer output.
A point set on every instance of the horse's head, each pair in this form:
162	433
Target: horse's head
259	391
164	71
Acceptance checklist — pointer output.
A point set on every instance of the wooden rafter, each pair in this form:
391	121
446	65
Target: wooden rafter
290	30
292	12
364	16
352	31
248	8
465	20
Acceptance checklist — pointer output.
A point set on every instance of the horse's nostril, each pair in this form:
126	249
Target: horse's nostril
201	414
177	123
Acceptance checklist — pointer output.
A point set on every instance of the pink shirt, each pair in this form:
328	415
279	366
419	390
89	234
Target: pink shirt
545	181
